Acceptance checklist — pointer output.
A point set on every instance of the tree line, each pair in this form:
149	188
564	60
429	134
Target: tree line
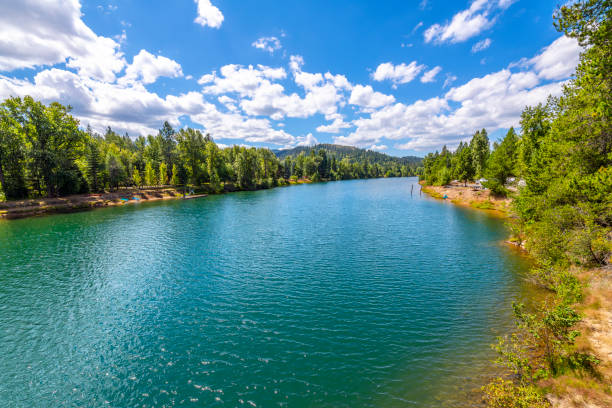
562	214
44	153
354	153
475	160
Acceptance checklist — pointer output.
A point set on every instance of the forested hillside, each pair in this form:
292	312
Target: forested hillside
335	162
351	152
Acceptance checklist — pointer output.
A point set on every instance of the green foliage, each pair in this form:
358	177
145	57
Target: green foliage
462	164
479	146
94	166
150	178
333	162
564	210
502	163
116	171
136	178
163	174
502	393
174	180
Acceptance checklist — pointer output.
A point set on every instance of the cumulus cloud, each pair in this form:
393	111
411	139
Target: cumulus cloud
308	140
494	101
269	44
147	67
468	23
36	35
398	74
365	97
240	79
481	45
323	95
558	60
339	81
430	76
378	148
208	15
335	127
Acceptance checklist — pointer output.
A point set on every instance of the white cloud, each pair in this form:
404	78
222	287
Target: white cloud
365	97
481	45
242	80
296	62
147	67
339	81
307	80
323	95
430	76
558	60
378	148
335	127
208	15
398	74
207	78
229	103
308	140
262	96
494	101
450	78
270	100
36	34
468	23
269	44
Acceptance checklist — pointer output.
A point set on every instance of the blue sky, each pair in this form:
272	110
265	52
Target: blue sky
402	77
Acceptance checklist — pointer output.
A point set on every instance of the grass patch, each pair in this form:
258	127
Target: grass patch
483	205
431	192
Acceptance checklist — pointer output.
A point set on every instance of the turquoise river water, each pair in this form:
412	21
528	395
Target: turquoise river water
341	294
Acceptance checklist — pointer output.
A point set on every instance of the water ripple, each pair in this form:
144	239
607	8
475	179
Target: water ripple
350	294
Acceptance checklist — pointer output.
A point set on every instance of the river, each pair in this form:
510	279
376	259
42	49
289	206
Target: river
340	294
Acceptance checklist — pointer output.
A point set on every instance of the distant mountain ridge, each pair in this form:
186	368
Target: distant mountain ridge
351	152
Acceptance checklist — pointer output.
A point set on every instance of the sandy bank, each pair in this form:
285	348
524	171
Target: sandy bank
33	207
469	196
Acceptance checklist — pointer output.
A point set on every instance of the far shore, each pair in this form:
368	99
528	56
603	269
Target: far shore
131	195
82	202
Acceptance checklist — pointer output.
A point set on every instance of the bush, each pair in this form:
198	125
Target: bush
502	393
496	187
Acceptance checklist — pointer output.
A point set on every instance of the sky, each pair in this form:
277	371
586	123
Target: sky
400	77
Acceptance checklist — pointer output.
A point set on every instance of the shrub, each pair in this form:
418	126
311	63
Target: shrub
502	393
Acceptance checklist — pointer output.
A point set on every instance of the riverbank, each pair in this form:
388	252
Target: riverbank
83	202
567	391
469	196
